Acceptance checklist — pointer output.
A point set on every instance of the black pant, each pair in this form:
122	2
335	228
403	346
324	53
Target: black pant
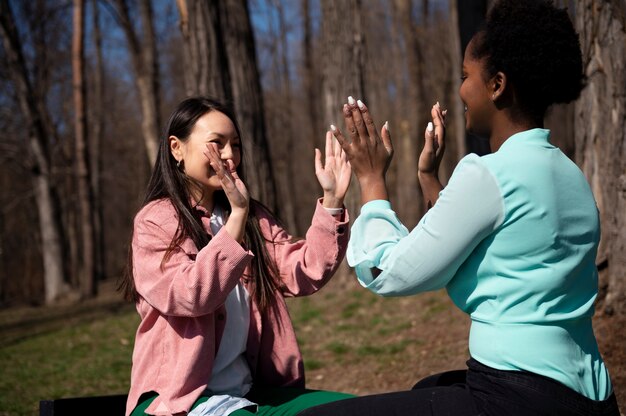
477	391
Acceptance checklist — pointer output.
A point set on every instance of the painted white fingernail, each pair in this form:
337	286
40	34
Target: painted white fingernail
350	100
386	125
360	104
333	128
430	127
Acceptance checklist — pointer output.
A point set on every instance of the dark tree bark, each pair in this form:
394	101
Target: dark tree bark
32	107
343	72
219	41
601	137
470	16
143	53
95	163
88	286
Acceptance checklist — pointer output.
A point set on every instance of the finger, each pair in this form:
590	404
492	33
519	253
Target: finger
214	159
439	122
429	136
318	161
345	145
358	120
386	137
372	131
337	150
329	146
352	131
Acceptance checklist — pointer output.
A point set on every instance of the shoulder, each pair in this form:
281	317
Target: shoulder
160	212
472	168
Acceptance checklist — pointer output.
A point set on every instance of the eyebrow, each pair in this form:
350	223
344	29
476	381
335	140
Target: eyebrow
221	136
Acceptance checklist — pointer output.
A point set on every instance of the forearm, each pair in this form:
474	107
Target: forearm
305	265
430	189
236	224
373	188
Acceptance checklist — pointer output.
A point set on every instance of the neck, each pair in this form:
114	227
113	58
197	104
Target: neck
204	199
506	126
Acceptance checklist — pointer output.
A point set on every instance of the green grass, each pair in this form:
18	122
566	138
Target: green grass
90	358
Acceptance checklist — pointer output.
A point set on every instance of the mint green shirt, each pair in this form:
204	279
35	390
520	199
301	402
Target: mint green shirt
513	238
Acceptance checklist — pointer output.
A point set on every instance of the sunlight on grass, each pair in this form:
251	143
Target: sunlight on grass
86	359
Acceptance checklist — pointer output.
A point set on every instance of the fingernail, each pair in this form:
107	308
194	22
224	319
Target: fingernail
350	100
438	104
444	112
430	127
333	128
386	125
360	104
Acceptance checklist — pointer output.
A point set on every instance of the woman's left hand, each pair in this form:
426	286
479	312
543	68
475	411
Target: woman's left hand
334	174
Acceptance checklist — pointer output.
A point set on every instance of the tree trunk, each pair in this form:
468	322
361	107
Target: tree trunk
470	16
219	42
343	72
456	116
143	55
410	140
88	287
280	121
49	227
203	49
247	97
95	164
601	137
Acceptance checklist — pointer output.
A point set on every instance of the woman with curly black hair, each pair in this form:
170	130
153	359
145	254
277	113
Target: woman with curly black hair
513	236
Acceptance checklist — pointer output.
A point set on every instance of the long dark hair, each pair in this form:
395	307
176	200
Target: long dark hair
169	181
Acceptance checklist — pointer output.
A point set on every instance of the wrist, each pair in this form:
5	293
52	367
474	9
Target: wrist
373	188
239	213
331	201
428	176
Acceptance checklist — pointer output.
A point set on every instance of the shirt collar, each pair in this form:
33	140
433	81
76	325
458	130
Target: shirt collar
540	137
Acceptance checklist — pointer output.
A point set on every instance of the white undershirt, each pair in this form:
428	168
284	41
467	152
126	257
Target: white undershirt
231	378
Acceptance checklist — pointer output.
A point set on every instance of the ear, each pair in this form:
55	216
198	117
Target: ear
498	85
176	147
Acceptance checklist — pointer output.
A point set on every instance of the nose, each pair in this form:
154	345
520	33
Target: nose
227	151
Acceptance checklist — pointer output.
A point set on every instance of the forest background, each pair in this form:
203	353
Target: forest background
86	86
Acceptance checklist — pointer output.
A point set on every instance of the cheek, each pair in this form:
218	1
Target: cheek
237	158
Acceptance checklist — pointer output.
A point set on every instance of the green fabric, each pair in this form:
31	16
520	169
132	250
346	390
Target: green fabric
286	401
140	409
273	401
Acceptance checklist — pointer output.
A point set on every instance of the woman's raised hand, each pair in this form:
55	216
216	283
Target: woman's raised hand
334	174
233	186
434	143
368	152
430	158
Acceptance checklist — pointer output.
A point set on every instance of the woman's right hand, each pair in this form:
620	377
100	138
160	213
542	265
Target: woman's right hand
235	191
368	152
233	186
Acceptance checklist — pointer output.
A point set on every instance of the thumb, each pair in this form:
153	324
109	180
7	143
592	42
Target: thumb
429	137
386	137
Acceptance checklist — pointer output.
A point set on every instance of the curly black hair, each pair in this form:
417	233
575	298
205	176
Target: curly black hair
534	43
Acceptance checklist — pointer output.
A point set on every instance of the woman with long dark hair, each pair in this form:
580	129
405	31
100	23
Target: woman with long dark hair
209	268
513	236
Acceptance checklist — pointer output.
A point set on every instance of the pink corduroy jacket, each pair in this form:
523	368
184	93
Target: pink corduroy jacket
182	303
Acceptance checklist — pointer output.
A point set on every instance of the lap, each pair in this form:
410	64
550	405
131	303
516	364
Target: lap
438	400
287	401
